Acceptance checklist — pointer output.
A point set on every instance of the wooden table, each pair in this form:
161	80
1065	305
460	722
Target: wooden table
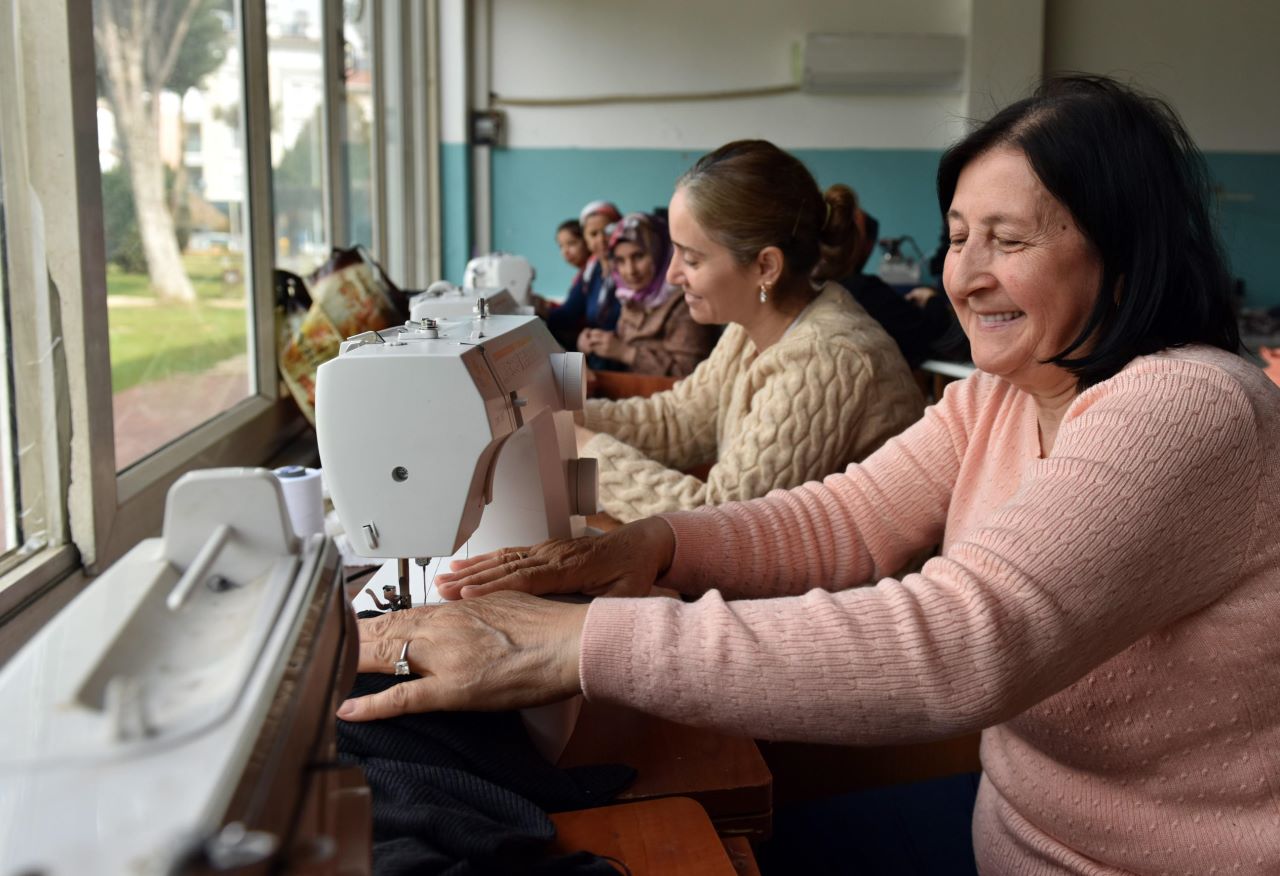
668	837
725	774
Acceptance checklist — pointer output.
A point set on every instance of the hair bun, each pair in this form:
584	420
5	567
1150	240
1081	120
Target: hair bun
838	237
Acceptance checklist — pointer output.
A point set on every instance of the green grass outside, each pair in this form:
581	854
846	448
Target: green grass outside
151	342
205	270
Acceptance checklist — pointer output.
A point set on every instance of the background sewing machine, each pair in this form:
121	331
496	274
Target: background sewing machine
504	280
453	437
177	716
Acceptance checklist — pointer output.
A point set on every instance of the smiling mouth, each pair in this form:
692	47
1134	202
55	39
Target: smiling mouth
998	318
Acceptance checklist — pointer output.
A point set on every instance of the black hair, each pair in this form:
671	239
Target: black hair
571	225
1136	185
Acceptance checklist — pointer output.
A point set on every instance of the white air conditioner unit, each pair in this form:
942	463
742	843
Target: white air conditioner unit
852	63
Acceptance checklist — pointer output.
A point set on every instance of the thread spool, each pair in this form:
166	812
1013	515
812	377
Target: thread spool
304	497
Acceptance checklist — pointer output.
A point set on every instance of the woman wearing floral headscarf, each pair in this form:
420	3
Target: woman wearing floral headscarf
655	333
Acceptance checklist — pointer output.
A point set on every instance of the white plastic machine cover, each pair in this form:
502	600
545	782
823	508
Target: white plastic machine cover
419	429
129	719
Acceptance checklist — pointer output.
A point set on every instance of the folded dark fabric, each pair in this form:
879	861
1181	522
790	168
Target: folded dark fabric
466	792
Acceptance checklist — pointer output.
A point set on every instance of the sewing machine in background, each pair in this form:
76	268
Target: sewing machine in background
501	271
454	435
503	280
177	716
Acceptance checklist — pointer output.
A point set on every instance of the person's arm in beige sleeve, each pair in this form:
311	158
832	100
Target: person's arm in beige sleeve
677	427
630	485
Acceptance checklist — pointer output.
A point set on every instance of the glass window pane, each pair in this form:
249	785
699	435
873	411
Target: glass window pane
173	187
295	68
357	142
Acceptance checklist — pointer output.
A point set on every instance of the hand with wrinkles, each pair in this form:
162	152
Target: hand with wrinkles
505	651
624	562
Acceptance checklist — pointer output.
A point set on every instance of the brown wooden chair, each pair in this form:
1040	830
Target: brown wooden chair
623	384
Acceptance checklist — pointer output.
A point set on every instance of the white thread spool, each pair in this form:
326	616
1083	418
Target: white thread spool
304	497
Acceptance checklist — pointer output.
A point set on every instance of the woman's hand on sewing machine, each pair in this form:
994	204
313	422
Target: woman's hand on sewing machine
506	651
624	562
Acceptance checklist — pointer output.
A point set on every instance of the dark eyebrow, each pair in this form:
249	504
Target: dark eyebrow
993	219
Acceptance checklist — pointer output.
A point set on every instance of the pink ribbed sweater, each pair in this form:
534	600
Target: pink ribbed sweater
1110	615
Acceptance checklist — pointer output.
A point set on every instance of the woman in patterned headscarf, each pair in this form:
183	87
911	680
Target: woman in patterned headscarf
655	333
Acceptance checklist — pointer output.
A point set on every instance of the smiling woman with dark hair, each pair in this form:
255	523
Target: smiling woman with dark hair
1142	204
1107	493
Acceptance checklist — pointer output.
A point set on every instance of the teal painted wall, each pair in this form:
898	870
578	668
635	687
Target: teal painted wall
1249	220
455	209
535	189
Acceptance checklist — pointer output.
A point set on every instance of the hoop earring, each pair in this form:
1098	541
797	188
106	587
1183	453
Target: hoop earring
764	293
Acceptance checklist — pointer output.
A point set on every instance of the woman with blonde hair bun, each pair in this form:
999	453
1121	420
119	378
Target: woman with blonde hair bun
802	383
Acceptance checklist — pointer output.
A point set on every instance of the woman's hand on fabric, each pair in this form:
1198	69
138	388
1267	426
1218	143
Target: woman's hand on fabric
505	651
623	562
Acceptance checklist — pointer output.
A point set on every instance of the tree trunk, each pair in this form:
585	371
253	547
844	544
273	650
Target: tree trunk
135	108
169	280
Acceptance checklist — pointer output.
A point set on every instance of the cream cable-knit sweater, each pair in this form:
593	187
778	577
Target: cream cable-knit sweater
831	391
1111	615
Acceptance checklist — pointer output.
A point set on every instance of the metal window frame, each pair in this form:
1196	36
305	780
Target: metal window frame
107	512
407	90
36	278
98	512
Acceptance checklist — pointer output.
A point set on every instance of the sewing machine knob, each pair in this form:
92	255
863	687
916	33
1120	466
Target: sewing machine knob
571	379
582	486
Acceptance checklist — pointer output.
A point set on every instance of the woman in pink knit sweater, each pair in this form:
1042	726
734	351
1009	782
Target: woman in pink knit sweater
1108	503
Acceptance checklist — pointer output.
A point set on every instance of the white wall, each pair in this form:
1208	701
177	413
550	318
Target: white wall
1217	62
562	48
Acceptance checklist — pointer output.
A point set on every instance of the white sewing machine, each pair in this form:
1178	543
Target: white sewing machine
177	716
503	280
498	271
451	437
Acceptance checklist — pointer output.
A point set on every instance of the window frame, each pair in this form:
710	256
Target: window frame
101	513
129	505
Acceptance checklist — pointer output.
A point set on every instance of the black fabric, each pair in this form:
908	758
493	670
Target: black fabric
463	793
931	332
